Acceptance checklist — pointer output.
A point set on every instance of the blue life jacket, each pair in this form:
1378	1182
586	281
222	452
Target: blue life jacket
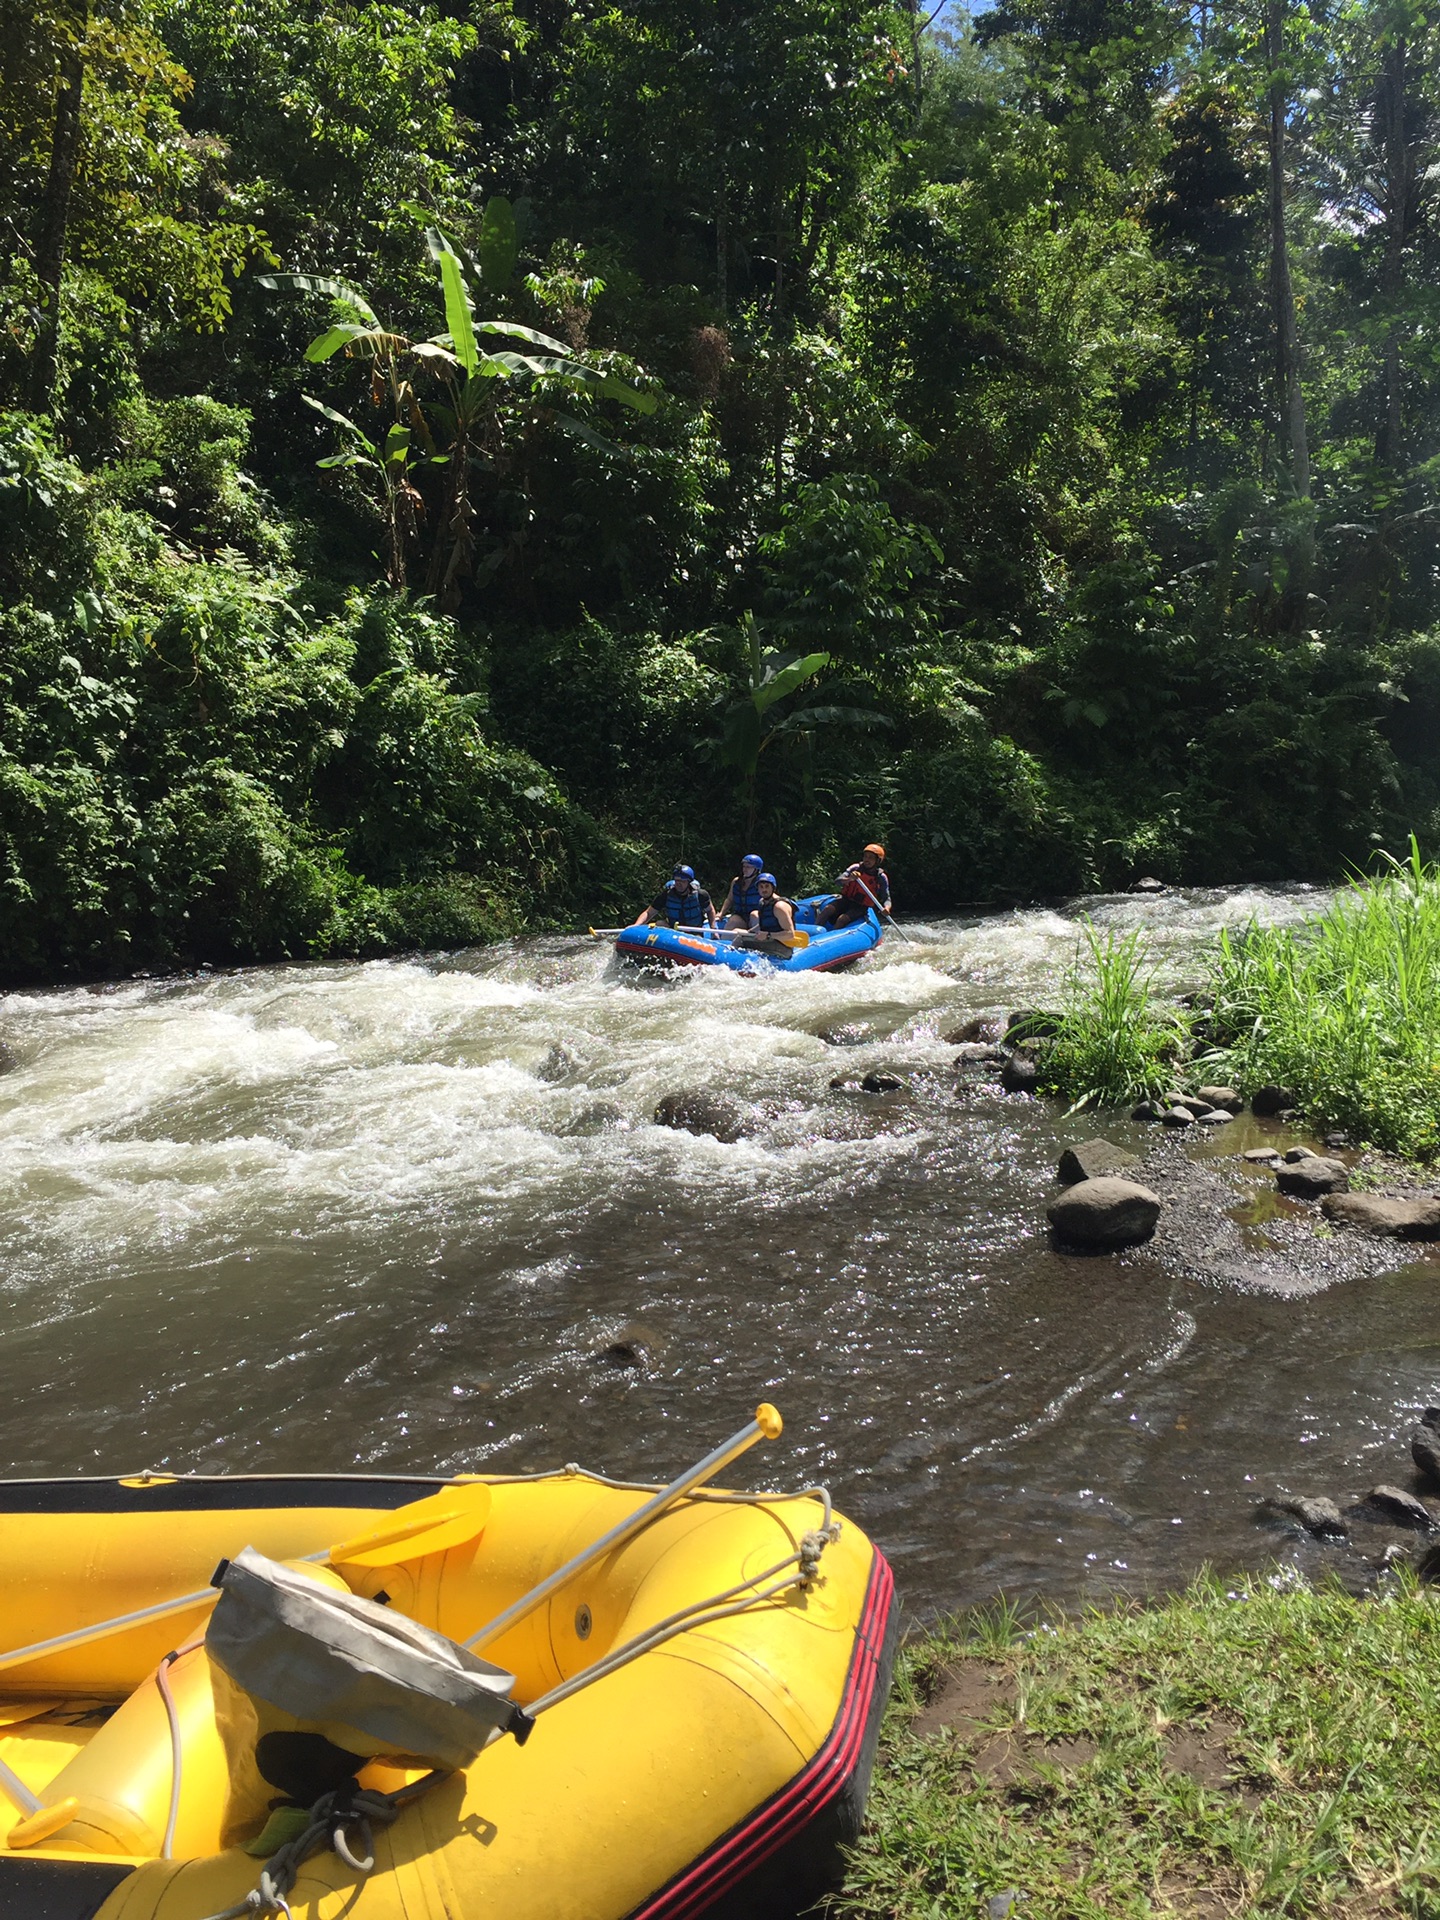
744	899
684	909
769	919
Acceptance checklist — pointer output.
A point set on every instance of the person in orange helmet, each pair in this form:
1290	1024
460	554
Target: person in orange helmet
859	881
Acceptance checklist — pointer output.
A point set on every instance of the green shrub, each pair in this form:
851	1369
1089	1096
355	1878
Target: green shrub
1116	1040
1345	1009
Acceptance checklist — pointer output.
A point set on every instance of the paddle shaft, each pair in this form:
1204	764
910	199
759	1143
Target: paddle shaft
765	1426
860	882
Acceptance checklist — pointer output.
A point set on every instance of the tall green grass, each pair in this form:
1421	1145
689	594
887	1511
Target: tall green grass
1344	1009
1116	1039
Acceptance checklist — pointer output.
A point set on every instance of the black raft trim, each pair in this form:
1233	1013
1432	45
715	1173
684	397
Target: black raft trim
56	1889
218	1493
790	1851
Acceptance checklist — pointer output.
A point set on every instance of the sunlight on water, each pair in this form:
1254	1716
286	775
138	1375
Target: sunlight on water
399	1214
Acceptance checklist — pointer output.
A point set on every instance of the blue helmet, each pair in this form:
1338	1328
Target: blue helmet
684	873
752	860
770	879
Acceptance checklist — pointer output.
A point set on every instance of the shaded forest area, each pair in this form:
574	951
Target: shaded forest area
456	455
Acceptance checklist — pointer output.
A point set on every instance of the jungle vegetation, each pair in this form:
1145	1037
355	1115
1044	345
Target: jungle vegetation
458	455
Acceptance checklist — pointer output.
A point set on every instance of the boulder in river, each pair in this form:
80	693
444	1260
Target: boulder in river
1148	1110
1416	1219
700	1112
1400	1508
985	1027
1106	1212
1225	1098
846	1036
1191	1102
1425	1444
1292	1155
880	1081
1149	884
1308	1179
1020	1074
1318	1514
1261	1156
559	1065
1271	1099
1216	1117
1092	1158
1178	1117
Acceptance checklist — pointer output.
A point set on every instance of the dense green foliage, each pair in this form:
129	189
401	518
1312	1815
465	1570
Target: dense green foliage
1060	393
1251	1746
1116	1039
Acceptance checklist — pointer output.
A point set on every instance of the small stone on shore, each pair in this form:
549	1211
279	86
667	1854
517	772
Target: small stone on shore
1092	1158
1217	1117
1292	1154
1308	1179
1417	1219
1225	1097
1178	1117
1262	1156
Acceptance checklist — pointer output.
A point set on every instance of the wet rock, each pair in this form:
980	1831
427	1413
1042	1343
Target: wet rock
1148	1110
601	1116
978	1053
560	1064
1105	1212
1178	1117
1425	1444
1262	1156
701	1113
881	1082
1338	1141
1092	1158
848	1036
631	1351
986	1027
1268	1100
1225	1098
1403	1509
1318	1515
1191	1102
1308	1179
1293	1155
1035	1023
1216	1117
1149	885
1020	1074
1393	1219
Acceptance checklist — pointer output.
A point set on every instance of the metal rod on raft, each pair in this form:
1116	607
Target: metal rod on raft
767	1425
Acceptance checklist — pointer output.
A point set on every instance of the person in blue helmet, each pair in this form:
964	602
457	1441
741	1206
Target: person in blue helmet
681	902
743	899
772	925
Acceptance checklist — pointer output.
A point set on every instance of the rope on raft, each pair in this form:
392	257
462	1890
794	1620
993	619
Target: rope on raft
360	1806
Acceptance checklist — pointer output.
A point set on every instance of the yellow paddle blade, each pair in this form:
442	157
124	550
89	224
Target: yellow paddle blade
800	938
445	1519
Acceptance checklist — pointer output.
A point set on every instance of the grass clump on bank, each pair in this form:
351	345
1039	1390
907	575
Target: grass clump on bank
1237	1750
1345	1009
1115	1039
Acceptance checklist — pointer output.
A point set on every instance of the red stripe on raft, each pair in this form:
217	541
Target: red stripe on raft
817	1783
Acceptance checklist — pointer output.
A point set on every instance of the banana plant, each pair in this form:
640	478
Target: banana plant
445	398
770	677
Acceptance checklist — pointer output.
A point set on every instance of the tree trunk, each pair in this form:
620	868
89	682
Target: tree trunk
1289	399
54	219
1398	184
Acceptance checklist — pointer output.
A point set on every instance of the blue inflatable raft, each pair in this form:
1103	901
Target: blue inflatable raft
825	950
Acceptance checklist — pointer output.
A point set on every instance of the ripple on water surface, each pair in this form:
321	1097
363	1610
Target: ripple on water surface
415	1215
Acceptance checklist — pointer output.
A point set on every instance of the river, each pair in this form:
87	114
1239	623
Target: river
414	1215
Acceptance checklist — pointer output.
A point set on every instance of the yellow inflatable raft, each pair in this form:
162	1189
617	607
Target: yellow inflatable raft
689	1730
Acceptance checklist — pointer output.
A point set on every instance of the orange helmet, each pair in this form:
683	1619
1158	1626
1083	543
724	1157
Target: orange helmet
876	849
